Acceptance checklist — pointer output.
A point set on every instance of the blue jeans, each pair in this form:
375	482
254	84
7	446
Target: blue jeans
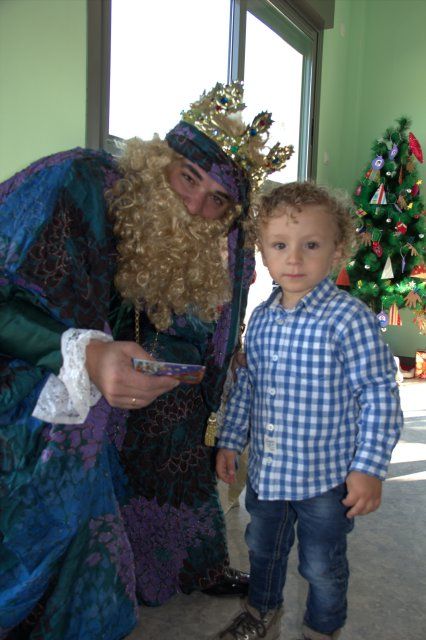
322	527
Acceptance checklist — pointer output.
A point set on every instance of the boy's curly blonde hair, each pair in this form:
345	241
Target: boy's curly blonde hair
291	198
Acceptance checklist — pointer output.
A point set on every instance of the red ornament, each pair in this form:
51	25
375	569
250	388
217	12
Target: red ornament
343	278
414	146
377	248
401	227
419	271
415	190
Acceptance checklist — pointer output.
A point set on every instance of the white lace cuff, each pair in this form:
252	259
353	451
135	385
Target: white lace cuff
67	398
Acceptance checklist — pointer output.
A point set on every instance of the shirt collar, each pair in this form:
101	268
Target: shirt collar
312	302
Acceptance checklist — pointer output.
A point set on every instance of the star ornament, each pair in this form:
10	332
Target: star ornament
365	238
412	298
413	252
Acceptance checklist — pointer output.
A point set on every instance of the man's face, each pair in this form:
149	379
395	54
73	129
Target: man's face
201	195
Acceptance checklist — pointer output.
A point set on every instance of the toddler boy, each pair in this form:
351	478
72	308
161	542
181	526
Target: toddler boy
320	405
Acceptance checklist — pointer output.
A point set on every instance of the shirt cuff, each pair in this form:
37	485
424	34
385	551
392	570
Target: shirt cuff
67	397
231	443
378	470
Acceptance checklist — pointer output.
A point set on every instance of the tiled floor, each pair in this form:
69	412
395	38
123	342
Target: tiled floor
387	553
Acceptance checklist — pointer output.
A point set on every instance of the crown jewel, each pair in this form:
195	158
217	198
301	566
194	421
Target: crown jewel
217	114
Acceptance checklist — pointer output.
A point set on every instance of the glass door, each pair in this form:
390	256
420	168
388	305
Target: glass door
278	74
163	54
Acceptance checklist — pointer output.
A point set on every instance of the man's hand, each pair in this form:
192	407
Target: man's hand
364	494
225	465
109	365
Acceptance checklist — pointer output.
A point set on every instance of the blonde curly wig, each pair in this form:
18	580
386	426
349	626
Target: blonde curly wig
168	260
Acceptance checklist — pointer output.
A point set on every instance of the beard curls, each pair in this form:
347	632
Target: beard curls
168	261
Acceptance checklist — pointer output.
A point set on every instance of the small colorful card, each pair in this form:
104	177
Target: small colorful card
189	373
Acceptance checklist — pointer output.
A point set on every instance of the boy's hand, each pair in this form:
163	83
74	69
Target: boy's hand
225	465
364	494
239	360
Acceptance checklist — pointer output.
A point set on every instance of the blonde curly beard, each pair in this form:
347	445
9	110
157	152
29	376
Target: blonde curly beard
168	261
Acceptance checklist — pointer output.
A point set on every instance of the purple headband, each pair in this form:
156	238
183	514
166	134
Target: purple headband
191	143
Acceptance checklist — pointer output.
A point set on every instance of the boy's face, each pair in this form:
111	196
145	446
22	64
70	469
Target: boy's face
299	250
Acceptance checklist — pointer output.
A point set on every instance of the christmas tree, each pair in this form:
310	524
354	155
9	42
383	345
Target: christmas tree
388	270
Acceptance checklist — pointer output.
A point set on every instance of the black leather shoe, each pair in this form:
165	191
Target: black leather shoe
232	583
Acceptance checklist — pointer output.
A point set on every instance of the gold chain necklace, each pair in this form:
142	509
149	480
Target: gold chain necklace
137	328
153	350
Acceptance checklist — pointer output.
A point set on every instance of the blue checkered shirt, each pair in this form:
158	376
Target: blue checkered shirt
318	397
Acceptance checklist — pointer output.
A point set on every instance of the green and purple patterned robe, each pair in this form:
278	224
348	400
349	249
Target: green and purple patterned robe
122	508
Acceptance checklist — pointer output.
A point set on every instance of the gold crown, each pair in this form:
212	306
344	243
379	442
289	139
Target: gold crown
217	115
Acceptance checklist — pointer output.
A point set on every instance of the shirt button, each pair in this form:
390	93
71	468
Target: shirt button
280	321
270	427
271	391
274	357
269	460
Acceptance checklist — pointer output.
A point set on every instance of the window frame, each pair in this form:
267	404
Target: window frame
298	28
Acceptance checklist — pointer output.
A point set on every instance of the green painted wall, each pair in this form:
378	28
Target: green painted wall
340	97
42	79
373	72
